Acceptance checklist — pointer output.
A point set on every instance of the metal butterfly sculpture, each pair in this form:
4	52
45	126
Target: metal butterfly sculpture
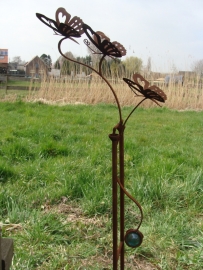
69	29
74	28
102	42
152	92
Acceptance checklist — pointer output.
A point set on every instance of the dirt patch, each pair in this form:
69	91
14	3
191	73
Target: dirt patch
73	213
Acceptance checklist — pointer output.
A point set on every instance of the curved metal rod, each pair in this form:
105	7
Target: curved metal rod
136	202
133	110
100	74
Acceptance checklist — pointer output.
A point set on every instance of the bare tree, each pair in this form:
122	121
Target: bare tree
174	69
149	65
197	67
18	60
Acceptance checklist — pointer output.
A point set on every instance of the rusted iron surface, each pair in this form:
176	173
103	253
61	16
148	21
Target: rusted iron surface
75	28
142	86
102	42
71	28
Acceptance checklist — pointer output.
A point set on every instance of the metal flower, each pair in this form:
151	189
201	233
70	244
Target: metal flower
102	42
142	86
69	29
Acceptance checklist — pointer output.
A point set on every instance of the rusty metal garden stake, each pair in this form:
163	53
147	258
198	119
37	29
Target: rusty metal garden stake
73	28
115	139
122	206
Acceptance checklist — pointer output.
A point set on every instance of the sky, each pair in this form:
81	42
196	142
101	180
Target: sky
168	31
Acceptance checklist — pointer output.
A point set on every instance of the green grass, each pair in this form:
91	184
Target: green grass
18	82
55	175
23	82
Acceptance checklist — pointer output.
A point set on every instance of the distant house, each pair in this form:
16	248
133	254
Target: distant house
55	72
188	74
81	75
36	68
3	61
16	69
177	79
12	65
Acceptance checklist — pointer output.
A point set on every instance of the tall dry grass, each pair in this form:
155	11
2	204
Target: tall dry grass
82	90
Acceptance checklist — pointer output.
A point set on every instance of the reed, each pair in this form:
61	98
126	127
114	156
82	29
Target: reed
69	90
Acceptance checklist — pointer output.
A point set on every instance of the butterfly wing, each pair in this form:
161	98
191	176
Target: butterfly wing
102	42
120	48
63	13
67	31
74	23
77	24
133	85
153	92
102	35
156	93
109	48
139	80
49	22
95	38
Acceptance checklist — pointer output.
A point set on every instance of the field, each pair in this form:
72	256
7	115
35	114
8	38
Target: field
73	91
17	88
55	175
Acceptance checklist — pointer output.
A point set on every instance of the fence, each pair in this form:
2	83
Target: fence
5	79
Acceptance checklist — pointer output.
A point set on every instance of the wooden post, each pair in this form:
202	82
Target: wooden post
6	83
6	252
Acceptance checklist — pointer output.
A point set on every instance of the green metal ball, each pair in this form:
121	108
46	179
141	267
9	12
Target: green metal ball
133	238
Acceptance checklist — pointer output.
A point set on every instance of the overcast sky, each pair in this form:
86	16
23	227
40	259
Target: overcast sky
168	31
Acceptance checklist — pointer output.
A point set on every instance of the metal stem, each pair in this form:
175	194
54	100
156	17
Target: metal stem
98	72
122	204
114	138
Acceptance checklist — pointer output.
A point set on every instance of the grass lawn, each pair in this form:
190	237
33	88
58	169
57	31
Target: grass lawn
55	181
23	83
